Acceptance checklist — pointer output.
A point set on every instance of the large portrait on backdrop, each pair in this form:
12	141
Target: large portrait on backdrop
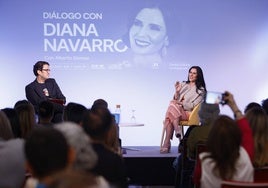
138	35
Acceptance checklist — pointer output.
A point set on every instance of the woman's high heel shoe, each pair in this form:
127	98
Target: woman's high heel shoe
165	148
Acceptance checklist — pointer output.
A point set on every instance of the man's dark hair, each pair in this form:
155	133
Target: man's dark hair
39	66
99	103
74	112
46	151
46	109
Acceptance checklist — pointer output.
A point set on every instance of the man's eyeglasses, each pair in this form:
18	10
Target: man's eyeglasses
47	70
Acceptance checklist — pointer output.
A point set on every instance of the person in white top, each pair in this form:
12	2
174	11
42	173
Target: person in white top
230	150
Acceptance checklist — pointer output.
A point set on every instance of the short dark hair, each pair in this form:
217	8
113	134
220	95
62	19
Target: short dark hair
74	112
45	109
99	103
39	66
46	151
251	105
20	102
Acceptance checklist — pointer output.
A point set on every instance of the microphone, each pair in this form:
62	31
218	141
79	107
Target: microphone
45	91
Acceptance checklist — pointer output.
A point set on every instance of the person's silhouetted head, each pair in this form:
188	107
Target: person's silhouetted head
26	116
14	121
20	102
251	105
5	127
74	112
223	143
99	103
258	122
45	111
97	123
86	158
46	151
265	105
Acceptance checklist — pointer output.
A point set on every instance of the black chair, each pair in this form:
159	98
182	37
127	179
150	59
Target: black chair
185	168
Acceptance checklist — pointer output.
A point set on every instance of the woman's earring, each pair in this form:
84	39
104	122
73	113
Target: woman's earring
164	51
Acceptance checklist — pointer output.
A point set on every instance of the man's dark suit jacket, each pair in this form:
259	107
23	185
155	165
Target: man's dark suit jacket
35	94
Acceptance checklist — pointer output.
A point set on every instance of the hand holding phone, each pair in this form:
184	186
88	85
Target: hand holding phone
215	98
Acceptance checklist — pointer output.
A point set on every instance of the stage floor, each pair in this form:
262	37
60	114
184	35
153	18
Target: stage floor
146	167
148	151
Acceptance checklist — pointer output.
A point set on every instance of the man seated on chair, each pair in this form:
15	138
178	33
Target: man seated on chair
196	135
45	88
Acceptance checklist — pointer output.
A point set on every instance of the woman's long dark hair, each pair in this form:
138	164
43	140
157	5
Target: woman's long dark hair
223	144
200	81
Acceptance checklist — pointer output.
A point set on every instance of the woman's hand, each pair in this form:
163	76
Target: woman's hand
177	86
177	90
229	98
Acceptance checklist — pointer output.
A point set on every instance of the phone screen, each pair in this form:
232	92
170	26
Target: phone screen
213	97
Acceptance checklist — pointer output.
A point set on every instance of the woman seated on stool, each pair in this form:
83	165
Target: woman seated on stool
187	95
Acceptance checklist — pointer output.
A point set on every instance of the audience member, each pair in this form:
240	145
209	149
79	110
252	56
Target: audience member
194	136
264	105
5	127
74	179
19	102
74	112
67	110
47	153
44	88
45	113
112	139
100	103
187	95
96	124
12	160
250	106
207	114
26	118
85	156
230	150
12	170
258	121
14	121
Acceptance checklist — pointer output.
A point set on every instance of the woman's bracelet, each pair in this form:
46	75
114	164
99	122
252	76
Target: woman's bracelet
235	113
